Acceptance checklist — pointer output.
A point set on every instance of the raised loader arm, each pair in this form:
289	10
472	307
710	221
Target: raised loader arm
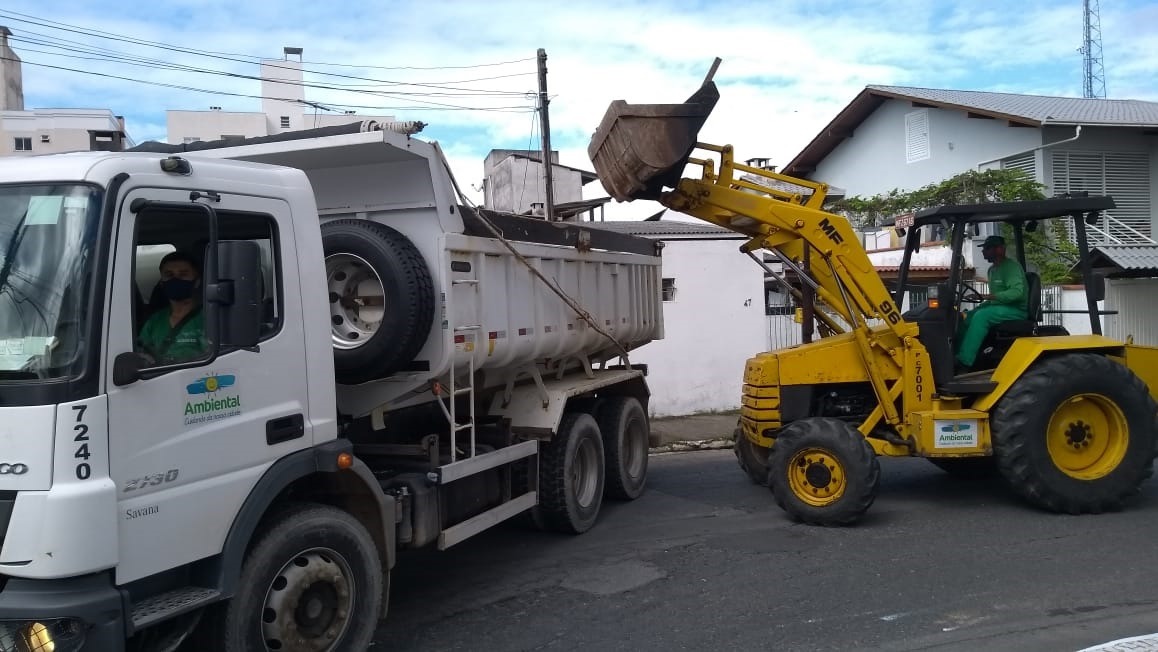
639	150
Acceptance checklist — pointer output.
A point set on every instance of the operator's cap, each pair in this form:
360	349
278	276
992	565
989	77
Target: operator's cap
993	241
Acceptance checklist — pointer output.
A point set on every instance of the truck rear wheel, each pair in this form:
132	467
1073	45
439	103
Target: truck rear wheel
381	299
624	426
313	581
1076	434
571	476
823	472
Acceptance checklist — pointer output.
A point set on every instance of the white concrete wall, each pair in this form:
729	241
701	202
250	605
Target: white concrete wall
67	129
212	125
713	326
1138	311
515	183
872	161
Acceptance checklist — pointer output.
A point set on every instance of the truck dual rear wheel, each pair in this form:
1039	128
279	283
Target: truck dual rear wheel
571	476
1076	434
312	582
624	426
381	299
823	472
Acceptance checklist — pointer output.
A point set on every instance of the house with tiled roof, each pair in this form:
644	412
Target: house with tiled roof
901	137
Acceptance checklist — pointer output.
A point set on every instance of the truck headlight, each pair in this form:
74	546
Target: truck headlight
55	635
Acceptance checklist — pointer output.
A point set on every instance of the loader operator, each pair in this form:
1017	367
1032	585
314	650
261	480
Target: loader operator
176	333
1007	301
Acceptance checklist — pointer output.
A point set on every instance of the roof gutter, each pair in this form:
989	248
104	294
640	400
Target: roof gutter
1077	135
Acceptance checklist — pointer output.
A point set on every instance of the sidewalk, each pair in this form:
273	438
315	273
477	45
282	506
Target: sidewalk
693	432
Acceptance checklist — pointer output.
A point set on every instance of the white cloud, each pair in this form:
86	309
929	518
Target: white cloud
789	66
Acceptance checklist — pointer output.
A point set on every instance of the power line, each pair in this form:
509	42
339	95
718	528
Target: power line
66	27
441	107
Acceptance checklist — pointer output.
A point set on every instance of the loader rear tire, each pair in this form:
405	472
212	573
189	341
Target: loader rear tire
823	472
624	426
571	476
754	465
381	299
1076	434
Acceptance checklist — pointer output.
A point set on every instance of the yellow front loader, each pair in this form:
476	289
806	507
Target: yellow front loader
1068	421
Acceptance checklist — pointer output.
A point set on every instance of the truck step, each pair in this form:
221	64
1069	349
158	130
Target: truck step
171	603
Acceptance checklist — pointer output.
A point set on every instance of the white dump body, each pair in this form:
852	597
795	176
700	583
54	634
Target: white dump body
489	305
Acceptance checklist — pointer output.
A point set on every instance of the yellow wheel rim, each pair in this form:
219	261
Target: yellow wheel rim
1087	436
816	477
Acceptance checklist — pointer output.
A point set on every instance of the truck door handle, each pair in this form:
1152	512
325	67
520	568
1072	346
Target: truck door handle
284	429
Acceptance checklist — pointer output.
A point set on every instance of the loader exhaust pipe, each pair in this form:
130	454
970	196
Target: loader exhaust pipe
639	149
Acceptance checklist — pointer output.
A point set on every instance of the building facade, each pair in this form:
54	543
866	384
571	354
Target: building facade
283	108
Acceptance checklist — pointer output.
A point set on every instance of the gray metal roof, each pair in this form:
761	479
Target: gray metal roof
1039	108
1132	260
660	230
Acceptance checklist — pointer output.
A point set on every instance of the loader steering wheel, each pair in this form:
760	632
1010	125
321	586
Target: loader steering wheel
968	294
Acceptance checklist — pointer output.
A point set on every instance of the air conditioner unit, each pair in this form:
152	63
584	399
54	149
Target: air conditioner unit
45	138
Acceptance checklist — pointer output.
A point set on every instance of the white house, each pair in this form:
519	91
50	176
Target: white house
714	317
513	181
47	131
283	108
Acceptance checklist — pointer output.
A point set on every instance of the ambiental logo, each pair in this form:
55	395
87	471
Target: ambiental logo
222	398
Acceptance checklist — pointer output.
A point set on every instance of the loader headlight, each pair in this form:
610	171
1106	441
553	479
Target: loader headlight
55	635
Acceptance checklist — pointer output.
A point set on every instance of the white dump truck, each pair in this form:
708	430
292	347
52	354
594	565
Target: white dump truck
369	364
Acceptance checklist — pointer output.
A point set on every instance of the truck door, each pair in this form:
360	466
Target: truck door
188	445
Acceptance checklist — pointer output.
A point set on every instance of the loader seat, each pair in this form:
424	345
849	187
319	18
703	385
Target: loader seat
1010	330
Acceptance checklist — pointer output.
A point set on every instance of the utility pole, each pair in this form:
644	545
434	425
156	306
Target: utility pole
545	127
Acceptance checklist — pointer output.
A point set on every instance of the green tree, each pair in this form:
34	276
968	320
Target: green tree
1048	249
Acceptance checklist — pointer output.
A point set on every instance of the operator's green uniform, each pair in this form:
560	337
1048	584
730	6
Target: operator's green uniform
168	345
1008	287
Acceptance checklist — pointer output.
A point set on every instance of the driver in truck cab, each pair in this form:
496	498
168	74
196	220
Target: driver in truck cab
1007	301
176	333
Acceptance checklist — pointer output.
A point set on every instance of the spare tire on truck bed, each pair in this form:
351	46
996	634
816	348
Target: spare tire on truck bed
381	299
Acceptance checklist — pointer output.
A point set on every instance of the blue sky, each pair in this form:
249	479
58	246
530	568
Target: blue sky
788	66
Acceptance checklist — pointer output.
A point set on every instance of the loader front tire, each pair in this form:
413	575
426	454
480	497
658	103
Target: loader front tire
1076	434
823	472
754	465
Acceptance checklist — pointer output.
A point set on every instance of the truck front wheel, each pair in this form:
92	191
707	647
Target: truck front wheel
313	581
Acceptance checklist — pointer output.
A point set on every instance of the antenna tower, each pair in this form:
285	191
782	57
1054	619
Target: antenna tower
1094	79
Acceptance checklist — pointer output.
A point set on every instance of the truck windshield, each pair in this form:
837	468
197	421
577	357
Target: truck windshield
47	234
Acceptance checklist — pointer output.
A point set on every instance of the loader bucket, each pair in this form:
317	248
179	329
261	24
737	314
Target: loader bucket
639	149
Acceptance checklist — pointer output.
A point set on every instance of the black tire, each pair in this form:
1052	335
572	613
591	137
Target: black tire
569	495
967	468
624	426
754	465
368	350
322	538
820	456
1037	462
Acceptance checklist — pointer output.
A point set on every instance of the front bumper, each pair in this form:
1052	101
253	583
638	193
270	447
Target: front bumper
92	600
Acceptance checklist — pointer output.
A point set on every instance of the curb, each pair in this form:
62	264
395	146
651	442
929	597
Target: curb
717	443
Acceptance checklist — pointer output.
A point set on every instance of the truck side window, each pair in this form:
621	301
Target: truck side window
169	256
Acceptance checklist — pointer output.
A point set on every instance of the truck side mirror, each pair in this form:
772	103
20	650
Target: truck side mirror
238	293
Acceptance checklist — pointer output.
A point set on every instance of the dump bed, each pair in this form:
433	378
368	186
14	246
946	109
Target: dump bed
490	308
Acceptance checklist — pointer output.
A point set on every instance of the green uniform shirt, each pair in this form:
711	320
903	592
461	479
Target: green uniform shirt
170	345
1007	284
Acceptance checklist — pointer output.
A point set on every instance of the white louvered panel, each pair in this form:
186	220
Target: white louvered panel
917	136
1125	176
1027	163
1137	317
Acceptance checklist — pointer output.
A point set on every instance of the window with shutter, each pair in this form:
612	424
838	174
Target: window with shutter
917	136
1027	163
1125	176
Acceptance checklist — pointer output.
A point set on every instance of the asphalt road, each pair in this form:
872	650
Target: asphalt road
706	561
